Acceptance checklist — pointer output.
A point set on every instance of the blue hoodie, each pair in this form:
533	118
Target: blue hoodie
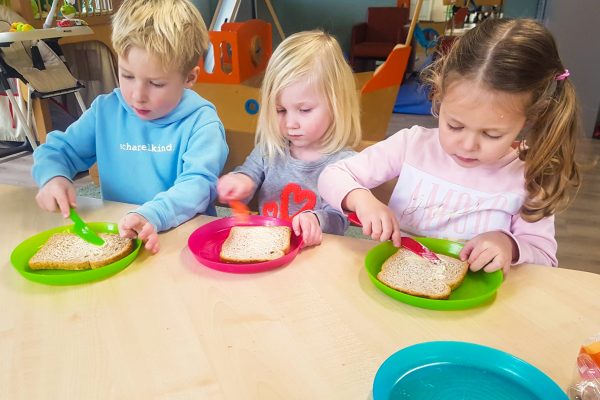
170	165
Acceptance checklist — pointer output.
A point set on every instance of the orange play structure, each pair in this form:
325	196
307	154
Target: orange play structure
238	102
236	92
242	50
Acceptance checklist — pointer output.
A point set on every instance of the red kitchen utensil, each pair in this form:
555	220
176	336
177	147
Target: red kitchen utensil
406	242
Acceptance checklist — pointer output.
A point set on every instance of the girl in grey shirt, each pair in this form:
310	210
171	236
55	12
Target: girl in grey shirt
309	118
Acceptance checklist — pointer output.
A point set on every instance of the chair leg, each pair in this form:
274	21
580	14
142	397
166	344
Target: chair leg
80	101
21	118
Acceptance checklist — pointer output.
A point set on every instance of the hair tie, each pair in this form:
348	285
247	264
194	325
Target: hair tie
563	76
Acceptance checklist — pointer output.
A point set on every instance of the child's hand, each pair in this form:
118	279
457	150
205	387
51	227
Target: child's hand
490	251
377	220
234	187
58	194
134	226
307	224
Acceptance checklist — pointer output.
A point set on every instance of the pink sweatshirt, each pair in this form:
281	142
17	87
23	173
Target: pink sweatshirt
436	197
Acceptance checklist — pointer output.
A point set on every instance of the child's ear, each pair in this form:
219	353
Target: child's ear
192	77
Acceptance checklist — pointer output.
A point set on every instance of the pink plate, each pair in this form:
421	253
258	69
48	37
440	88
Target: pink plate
206	241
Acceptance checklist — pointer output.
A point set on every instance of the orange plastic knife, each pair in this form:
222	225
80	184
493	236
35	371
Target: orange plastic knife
240	211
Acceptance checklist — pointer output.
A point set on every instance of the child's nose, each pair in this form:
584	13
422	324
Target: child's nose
470	142
139	93
291	121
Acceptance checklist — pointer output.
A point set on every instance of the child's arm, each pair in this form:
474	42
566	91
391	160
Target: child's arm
58	160
58	194
67	153
194	189
527	243
331	220
241	184
235	186
307	224
312	224
489	251
535	241
371	167
133	225
377	220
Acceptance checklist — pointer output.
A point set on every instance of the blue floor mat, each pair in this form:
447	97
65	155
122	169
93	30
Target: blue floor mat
412	99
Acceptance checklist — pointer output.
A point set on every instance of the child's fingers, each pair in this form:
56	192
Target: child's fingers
498	262
316	235
296	226
64	204
376	230
466	251
396	237
397	234
223	195
127	233
494	265
146	230
479	259
389	228
132	225
72	196
152	244
45	202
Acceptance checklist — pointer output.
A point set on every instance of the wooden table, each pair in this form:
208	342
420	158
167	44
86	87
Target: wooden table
168	328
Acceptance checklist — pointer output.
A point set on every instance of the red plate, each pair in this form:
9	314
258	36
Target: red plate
206	241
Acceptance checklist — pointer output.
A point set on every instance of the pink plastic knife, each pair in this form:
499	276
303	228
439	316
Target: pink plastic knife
406	242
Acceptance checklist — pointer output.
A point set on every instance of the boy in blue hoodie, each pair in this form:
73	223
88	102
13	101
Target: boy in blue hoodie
157	143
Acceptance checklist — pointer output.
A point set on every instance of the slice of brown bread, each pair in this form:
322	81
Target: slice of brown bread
248	244
69	251
409	273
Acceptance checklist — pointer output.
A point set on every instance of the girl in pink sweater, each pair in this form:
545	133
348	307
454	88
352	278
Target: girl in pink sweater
497	168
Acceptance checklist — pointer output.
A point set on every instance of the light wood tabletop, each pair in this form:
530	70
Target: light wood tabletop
167	327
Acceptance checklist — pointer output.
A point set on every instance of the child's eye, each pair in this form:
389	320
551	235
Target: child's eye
156	84
491	136
305	110
280	110
454	128
126	76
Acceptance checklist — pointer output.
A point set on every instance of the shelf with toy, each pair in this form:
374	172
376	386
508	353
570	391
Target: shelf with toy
41	34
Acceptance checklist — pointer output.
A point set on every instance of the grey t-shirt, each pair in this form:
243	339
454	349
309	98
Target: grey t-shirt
287	186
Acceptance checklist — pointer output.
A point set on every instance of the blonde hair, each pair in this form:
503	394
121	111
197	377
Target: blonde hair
313	57
173	31
520	57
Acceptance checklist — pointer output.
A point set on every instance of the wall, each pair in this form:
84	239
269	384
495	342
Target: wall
338	16
206	9
334	16
573	24
520	8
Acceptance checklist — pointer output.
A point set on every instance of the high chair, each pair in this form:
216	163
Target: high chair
35	58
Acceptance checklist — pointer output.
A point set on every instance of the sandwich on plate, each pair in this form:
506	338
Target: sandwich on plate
252	244
409	273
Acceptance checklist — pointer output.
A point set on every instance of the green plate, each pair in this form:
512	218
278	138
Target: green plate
24	251
477	287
